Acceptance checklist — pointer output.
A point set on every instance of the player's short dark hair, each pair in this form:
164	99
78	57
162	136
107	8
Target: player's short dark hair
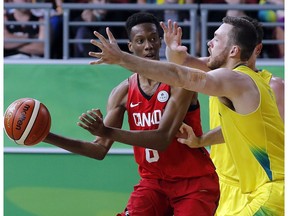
243	34
258	26
142	17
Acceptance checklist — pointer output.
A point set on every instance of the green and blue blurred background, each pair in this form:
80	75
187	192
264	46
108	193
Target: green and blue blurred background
62	184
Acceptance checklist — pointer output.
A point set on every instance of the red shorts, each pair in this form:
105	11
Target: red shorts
186	197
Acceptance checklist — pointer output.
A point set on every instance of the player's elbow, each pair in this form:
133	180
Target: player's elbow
98	155
98	151
164	143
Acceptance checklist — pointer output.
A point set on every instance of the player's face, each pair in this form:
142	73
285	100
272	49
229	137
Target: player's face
145	41
217	47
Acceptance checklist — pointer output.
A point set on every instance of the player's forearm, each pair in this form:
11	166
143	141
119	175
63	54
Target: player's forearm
212	137
152	139
169	73
176	57
88	149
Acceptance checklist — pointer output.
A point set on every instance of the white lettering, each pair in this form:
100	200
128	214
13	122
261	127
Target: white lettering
147	119
151	155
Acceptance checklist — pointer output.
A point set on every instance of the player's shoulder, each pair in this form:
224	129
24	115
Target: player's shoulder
121	86
277	82
121	90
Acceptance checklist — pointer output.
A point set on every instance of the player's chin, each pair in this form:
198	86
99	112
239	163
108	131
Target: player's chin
152	58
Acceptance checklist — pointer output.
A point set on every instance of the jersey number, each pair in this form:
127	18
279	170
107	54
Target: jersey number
151	155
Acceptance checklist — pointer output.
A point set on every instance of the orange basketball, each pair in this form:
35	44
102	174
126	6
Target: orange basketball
27	121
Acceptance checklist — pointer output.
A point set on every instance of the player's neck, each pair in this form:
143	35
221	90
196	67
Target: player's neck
147	85
234	64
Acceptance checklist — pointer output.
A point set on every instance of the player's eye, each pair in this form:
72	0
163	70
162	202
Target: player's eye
139	41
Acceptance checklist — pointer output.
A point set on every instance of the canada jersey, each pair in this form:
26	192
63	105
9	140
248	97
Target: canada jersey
178	160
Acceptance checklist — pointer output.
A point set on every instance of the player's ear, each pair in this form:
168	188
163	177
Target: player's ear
130	47
258	49
235	50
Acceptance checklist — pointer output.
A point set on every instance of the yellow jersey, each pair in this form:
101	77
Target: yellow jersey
242	169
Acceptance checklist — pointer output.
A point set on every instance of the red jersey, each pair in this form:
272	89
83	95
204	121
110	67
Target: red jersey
178	160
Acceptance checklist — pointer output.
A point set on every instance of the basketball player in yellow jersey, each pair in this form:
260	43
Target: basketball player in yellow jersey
251	124
232	199
231	194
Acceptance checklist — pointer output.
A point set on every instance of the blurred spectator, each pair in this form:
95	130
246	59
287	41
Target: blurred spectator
56	29
98	15
23	49
274	33
86	32
56	26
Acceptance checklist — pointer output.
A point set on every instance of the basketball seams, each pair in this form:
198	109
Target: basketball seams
12	122
30	123
45	127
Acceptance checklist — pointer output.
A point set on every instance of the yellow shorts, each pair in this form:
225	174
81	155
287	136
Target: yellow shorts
266	200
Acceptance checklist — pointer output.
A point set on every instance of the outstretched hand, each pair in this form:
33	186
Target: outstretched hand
187	136
111	52
92	121
172	37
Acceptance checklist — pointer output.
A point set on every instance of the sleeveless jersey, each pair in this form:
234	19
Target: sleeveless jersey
178	160
224	164
263	151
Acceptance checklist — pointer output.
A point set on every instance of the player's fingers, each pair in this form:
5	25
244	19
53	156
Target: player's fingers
110	36
97	43
164	27
179	33
187	128
183	141
96	55
170	26
175	28
85	120
99	61
98	112
100	37
181	129
95	117
82	125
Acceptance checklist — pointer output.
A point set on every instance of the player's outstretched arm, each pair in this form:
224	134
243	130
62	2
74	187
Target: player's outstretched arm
187	136
170	73
99	148
94	149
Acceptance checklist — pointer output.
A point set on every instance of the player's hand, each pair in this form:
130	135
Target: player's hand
92	121
172	38
187	136
111	53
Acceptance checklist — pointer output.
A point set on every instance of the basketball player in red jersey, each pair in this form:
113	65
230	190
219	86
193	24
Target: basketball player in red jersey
175	179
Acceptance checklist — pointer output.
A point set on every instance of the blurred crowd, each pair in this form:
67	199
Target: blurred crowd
84	32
